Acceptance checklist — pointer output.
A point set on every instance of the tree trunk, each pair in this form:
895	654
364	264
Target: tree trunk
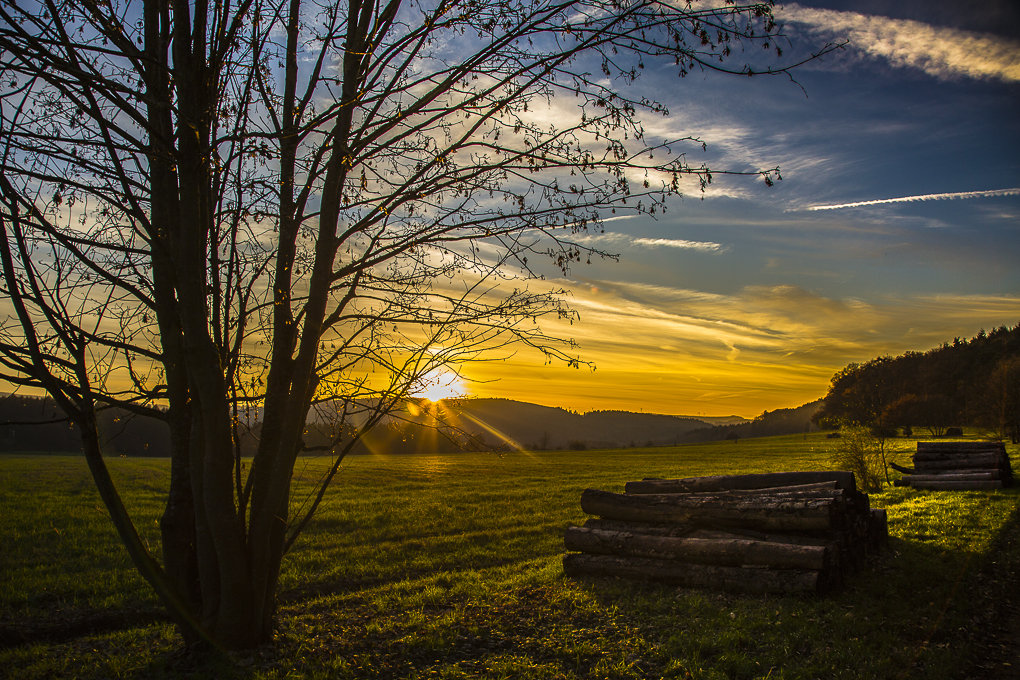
844	480
982	460
729	579
958	486
766	514
982	476
721	552
935	447
685	532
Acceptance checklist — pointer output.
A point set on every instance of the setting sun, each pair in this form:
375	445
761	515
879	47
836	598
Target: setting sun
439	385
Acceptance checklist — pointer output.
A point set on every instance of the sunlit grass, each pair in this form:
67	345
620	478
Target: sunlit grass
449	566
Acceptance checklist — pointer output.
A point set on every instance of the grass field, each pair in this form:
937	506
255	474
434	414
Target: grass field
449	567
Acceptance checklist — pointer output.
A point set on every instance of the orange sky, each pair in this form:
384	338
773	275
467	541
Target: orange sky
670	351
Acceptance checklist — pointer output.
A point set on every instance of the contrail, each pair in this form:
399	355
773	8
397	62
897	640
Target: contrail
923	197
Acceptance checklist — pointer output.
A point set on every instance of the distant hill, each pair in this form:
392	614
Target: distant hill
721	420
35	424
768	424
29	424
543	427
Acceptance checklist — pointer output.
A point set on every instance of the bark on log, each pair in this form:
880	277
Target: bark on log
900	468
878	529
807	492
963	455
809	514
679	531
958	486
722	552
669	484
728	579
737	482
958	446
983	461
997	473
985	476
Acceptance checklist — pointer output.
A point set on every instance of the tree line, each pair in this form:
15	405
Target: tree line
769	424
973	383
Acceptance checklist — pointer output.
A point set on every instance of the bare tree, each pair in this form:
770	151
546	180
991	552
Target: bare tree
217	212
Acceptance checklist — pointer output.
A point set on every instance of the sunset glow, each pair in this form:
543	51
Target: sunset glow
439	385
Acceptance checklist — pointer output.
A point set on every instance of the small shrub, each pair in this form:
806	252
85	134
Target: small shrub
954	432
577	445
860	452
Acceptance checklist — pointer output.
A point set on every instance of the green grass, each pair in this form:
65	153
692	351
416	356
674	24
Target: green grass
449	567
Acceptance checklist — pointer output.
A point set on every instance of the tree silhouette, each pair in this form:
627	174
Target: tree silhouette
221	214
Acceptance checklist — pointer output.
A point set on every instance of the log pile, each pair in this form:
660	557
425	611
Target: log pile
958	466
786	532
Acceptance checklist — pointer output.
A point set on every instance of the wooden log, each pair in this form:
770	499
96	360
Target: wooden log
959	446
764	514
983	461
996	473
955	476
845	480
843	557
958	486
688	532
722	552
824	490
993	454
727	579
902	481
878	529
904	470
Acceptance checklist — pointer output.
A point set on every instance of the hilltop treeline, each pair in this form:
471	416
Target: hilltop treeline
36	424
768	424
972	382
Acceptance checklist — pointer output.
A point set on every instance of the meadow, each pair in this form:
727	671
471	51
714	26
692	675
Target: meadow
449	566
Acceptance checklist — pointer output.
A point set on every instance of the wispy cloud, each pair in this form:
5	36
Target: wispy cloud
622	240
938	51
922	197
707	246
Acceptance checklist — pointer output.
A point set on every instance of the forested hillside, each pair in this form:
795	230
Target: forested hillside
505	424
768	424
32	424
972	382
35	424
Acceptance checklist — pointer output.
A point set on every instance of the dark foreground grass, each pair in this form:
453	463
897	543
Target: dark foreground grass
449	567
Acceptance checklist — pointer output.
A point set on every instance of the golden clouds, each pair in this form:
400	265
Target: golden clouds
938	51
764	347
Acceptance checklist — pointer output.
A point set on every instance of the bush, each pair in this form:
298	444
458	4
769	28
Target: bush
954	432
860	452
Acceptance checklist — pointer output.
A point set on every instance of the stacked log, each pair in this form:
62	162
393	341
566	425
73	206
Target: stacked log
959	466
788	532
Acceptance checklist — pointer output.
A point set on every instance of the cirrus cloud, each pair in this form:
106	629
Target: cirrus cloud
938	51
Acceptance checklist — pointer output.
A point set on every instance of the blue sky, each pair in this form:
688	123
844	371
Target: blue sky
748	299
